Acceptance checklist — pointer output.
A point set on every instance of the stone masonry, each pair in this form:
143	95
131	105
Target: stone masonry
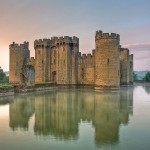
58	60
124	66
107	60
131	69
18	55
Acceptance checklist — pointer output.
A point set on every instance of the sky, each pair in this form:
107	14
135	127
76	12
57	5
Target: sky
28	20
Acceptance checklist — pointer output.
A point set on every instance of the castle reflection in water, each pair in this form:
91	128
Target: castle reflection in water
59	113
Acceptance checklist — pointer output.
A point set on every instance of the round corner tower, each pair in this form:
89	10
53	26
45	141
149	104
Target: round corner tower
107	61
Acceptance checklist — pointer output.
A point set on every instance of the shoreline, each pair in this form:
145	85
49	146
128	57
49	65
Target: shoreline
17	90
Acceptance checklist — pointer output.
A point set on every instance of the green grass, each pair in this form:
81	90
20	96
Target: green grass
6	86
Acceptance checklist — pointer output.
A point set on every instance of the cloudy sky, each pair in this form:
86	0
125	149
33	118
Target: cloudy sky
27	20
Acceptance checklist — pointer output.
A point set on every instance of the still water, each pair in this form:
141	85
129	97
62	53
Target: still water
77	119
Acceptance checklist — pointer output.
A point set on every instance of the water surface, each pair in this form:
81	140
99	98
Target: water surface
77	119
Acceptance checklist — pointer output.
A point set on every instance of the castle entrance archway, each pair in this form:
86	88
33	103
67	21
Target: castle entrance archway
54	76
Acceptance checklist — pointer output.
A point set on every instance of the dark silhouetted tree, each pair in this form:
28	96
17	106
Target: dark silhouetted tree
135	77
147	77
3	78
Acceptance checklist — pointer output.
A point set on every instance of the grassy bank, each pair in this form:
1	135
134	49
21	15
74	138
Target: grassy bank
6	86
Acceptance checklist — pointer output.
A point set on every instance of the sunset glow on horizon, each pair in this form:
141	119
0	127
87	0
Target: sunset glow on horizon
34	19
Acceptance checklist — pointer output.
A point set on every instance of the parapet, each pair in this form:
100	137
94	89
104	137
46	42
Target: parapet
16	46
83	56
124	50
54	41
13	45
42	43
86	56
68	40
25	45
75	40
89	55
57	41
101	35
54	38
61	41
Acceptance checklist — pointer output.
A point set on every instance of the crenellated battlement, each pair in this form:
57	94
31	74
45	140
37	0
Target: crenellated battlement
42	43
101	35
86	56
83	56
54	38
107	70
66	40
16	46
89	55
57	41
75	40
124	49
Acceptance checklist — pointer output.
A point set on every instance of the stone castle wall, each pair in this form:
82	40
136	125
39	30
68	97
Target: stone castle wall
107	60
29	72
85	69
131	68
18	55
58	60
124	66
41	59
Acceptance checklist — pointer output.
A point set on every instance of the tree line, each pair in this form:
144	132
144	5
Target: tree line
146	77
3	77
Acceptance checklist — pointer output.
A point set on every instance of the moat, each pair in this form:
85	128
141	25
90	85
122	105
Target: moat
77	119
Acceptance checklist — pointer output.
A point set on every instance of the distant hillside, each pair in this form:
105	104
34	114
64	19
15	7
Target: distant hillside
140	74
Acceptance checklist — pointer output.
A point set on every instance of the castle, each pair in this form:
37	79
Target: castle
59	60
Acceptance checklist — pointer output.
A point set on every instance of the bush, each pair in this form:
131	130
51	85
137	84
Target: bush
135	77
3	77
147	77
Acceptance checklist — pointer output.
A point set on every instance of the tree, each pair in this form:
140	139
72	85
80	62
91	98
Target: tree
3	77
147	77
135	76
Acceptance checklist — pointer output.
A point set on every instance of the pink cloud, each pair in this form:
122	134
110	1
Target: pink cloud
141	53
138	46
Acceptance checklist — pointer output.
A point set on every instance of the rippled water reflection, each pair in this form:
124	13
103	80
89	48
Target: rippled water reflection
77	119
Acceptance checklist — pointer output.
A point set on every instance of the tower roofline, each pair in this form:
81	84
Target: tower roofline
100	35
